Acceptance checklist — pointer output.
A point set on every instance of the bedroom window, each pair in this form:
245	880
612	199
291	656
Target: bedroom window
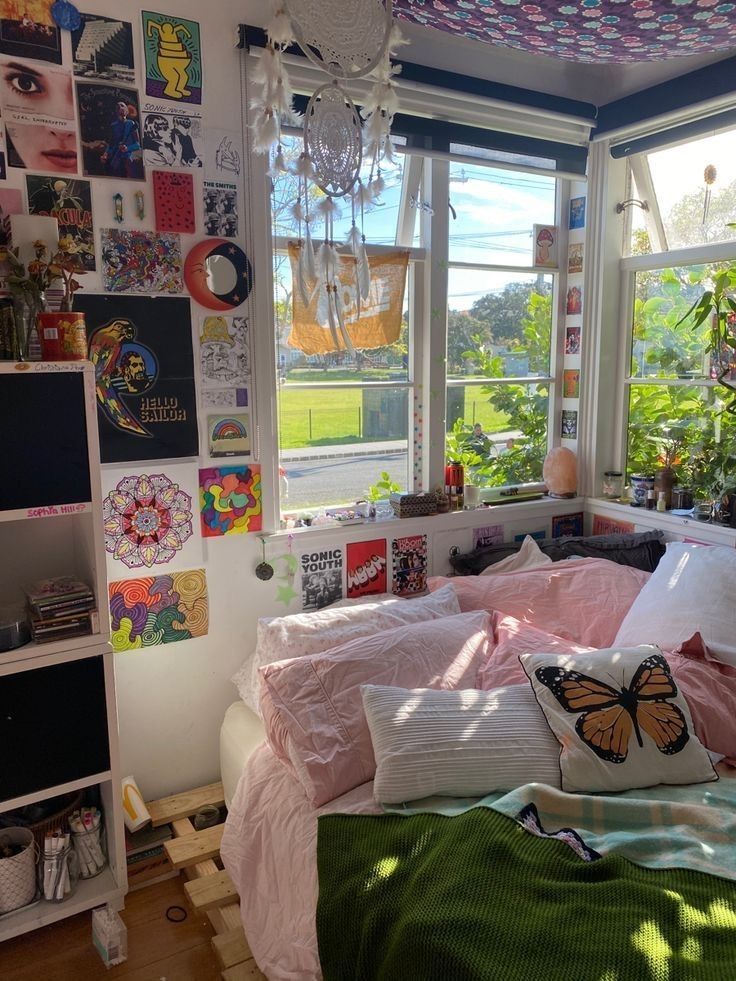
343	417
500	323
676	248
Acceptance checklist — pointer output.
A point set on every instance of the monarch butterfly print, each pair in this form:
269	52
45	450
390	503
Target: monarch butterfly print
611	715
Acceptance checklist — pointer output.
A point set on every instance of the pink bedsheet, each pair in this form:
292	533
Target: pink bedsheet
269	848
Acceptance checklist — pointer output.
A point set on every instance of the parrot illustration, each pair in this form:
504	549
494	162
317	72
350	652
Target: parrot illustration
105	349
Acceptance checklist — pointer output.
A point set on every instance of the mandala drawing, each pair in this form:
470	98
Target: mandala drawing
147	520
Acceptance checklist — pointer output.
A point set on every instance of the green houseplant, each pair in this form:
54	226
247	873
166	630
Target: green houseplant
718	305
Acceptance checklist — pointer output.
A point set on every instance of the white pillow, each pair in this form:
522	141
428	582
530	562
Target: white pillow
457	743
619	719
529	556
300	634
692	589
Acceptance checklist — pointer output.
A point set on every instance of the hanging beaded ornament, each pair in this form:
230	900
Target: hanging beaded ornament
346	38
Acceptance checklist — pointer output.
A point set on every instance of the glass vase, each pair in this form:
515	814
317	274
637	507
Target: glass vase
26	309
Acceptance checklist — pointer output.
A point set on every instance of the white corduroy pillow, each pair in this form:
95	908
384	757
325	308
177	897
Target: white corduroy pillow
691	590
457	743
301	634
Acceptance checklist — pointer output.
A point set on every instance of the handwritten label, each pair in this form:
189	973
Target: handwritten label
56	509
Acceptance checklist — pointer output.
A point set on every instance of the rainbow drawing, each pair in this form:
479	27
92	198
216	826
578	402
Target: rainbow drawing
229	429
229	435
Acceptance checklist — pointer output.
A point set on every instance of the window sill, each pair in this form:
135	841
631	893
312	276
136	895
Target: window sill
546	507
688	527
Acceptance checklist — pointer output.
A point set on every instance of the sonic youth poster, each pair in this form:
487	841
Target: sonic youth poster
321	578
366	568
141	348
172	137
70	202
27	30
490	535
409	565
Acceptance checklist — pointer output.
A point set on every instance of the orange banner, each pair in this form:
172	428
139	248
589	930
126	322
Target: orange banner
374	322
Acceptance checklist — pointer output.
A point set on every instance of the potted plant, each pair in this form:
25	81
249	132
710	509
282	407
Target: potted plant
669	445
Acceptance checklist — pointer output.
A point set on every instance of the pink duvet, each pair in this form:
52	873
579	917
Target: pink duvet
269	847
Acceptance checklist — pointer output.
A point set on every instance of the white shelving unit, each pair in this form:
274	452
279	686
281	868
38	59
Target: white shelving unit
57	532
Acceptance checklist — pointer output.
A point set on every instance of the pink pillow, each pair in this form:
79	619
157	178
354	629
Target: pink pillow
708	686
583	600
312	706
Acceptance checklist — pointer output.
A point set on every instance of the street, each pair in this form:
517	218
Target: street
338	480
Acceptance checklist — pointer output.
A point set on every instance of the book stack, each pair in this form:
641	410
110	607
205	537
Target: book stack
145	856
59	608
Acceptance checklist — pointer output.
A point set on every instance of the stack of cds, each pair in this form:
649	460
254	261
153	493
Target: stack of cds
59	608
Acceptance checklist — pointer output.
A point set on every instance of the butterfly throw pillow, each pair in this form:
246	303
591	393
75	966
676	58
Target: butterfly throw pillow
619	719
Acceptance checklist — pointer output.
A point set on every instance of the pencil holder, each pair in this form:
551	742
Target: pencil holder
60	872
91	851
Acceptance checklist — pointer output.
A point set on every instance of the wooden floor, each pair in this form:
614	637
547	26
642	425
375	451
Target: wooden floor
157	949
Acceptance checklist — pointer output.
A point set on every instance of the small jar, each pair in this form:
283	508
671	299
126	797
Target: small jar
613	484
651	501
662	501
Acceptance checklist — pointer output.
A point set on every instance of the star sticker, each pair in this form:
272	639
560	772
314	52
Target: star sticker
231	250
442	263
435	393
285	594
292	563
435	311
236	298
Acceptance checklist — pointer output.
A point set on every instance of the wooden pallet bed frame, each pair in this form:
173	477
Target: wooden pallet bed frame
209	889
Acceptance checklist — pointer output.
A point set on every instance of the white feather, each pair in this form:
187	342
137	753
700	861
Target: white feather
279	162
304	166
265	132
363	272
327	208
388	150
280	30
362	196
396	39
297	210
354	240
322	261
377	186
266	68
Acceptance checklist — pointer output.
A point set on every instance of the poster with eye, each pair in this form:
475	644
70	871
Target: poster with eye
102	47
149	516
141	262
224	159
38	112
569	428
229	435
70	202
173	58
11	203
109	129
224	352
141	348
158	610
27	30
172	137
571	383
366	568
230	500
321	578
409	565
173	200
220	207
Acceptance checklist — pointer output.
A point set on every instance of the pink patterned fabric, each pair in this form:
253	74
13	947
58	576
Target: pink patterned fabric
608	31
582	600
312	706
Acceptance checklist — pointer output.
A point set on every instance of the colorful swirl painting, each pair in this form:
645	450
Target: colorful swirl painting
230	500
158	610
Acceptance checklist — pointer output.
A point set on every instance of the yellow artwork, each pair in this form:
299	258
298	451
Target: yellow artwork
173	58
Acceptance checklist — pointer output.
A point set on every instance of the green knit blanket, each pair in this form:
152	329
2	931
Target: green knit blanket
435	898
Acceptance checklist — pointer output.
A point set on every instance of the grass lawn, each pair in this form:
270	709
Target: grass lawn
337	416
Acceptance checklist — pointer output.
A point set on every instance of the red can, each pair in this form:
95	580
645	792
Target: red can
63	336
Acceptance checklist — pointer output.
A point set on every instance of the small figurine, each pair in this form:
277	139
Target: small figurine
117	200
140	201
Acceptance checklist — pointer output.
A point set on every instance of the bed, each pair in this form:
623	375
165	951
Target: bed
572	609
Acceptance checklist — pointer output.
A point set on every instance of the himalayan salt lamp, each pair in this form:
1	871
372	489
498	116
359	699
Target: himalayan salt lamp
560	472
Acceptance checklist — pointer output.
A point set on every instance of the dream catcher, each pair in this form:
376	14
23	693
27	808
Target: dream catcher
348	39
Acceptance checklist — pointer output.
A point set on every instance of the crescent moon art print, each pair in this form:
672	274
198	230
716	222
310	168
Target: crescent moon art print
218	274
